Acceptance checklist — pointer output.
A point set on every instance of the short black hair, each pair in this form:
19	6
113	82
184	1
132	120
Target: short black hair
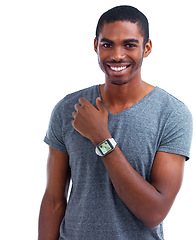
125	13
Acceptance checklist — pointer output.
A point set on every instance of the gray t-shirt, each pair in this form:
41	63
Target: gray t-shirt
158	122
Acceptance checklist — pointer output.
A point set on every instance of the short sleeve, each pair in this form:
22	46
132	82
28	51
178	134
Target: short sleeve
177	133
54	135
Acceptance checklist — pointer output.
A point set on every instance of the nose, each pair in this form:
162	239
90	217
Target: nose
118	55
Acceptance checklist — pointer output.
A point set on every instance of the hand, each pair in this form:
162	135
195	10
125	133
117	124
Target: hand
90	122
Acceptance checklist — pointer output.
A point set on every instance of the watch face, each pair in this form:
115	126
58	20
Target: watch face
105	147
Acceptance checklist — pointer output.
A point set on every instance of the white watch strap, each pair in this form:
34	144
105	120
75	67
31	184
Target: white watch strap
113	143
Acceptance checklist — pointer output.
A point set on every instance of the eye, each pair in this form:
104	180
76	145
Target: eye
130	45
107	45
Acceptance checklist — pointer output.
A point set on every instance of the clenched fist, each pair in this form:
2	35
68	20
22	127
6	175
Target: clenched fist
90	122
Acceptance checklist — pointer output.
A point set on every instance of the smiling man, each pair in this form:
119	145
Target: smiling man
124	65
123	144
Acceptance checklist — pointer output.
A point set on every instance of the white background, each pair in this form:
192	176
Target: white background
46	52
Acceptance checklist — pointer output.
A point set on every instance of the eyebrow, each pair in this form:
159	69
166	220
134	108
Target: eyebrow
131	40
125	41
106	40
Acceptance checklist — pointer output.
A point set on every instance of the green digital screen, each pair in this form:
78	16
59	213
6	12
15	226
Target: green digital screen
105	147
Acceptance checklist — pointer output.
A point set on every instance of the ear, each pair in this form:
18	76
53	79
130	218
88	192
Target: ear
148	48
95	45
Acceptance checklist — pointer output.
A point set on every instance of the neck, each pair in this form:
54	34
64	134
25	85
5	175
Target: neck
120	97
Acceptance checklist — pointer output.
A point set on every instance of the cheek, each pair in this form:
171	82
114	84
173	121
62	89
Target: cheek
102	57
101	64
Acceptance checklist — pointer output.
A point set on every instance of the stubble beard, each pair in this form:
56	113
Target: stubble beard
117	80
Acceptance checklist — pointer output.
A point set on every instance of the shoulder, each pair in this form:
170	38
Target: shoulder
89	93
177	125
168	99
169	104
67	103
174	115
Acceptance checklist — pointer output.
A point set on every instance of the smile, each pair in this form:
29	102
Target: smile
118	69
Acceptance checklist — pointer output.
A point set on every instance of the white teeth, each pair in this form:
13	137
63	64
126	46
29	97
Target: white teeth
118	69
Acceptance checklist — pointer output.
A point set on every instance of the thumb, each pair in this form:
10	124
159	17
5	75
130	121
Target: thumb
100	105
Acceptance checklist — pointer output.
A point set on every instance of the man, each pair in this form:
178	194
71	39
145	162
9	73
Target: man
123	144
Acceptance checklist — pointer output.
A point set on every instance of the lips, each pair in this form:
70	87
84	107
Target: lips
118	68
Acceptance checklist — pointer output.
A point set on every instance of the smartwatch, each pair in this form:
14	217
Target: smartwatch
105	147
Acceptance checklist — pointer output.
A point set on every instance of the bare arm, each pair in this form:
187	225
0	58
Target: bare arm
149	202
54	202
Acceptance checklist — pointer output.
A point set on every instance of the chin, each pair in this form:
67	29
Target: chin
119	82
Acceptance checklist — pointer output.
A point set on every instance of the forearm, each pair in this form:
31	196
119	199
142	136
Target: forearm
50	219
142	199
149	202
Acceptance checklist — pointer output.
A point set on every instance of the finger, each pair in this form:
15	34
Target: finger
100	105
74	114
82	101
72	122
77	106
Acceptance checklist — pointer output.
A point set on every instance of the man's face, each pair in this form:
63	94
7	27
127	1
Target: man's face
120	51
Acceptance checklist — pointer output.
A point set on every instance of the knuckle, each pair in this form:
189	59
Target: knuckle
81	99
79	110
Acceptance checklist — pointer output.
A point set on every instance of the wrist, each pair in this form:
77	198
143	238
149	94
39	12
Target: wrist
100	138
105	147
